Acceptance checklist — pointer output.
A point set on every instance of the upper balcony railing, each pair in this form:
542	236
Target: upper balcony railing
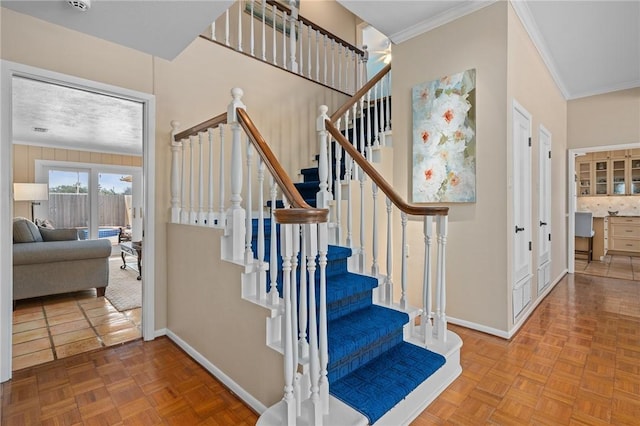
276	34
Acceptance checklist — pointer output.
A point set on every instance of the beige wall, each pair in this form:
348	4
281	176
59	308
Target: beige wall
476	251
531	85
604	120
192	88
331	16
207	312
25	156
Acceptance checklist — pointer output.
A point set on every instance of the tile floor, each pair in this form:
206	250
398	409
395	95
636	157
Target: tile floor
612	266
49	328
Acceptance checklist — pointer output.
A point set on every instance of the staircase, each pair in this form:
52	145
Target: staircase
377	361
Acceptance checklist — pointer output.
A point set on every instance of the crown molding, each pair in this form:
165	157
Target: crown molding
634	84
524	13
439	20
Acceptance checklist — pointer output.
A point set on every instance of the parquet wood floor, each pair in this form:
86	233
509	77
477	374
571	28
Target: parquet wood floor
576	361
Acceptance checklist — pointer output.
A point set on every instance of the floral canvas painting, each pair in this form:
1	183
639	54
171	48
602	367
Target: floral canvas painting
444	140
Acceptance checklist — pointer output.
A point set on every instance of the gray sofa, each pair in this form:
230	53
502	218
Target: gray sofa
54	261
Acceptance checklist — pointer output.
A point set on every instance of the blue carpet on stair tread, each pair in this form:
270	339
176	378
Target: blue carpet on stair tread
349	333
378	386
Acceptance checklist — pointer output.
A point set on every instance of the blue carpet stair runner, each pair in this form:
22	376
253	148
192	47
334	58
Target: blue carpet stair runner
370	367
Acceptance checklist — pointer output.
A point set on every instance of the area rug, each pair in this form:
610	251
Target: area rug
124	290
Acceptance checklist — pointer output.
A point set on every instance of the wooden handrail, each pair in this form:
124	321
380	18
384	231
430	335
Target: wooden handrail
301	211
360	93
210	123
315	26
408	208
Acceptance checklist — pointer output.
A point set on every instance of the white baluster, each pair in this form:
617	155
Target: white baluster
339	87
318	55
193	219
248	252
284	40
354	138
348	176
213	31
302	309
388	108
264	30
251	30
375	269
403	271
240	6
201	214
362	255
362	133
323	197
301	47
333	63
261	292
295	234
221	178
286	248
323	247
376	128
368	122
441	293
236	214
274	14
326	65
175	173
426	320
226	27
311	241
184	214
293	64
382	105
387	295
338	189
210	214
309	30
274	297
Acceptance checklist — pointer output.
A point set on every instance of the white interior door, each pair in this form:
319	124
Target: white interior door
521	191
544	209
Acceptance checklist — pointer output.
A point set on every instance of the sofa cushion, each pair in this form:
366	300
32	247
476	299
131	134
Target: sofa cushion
60	251
68	234
25	231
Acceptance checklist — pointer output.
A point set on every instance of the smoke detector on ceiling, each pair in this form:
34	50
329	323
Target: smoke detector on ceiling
82	5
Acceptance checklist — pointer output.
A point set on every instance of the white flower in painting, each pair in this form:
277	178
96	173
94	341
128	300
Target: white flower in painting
449	113
426	137
428	176
461	183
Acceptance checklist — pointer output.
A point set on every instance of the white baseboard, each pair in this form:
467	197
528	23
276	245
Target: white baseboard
478	327
508	334
217	373
159	333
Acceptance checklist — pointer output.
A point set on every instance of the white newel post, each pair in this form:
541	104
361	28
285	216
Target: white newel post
323	197
441	294
426	320
176	147
235	229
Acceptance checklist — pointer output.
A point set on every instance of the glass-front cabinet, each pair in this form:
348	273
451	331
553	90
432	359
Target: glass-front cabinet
601	176
608	173
634	175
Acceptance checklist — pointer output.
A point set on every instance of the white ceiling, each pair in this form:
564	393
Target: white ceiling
590	47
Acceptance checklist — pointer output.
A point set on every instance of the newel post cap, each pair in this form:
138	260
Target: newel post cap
236	102
320	126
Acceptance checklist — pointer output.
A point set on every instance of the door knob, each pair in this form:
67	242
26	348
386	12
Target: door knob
543	223
519	229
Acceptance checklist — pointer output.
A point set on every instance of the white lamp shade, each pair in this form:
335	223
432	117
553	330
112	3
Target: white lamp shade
30	191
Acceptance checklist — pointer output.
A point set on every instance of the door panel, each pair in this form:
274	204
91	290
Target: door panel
544	208
521	192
